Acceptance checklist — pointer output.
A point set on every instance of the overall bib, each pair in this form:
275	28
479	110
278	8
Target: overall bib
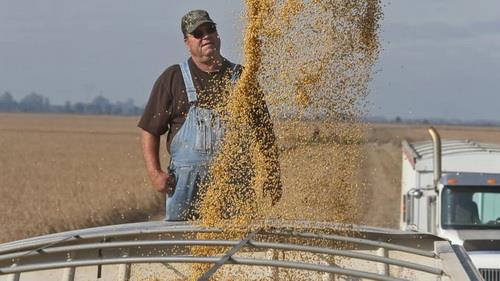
191	151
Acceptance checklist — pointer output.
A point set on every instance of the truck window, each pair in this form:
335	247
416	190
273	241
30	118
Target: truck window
471	207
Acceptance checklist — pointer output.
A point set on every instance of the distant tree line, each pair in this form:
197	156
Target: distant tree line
34	102
431	121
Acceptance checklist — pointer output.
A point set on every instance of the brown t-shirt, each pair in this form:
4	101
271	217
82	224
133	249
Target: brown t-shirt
168	104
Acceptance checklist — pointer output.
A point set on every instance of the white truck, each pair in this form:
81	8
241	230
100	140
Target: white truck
452	189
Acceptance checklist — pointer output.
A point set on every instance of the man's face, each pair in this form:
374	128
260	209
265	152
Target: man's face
204	42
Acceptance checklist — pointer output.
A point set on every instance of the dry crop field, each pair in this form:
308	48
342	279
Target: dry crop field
61	172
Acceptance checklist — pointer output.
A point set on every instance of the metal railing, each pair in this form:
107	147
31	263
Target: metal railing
165	242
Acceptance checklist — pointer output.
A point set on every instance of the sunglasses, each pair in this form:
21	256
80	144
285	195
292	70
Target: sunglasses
201	32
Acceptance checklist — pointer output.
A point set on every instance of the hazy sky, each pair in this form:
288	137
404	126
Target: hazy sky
440	58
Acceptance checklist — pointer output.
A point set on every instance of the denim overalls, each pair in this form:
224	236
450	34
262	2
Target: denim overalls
191	151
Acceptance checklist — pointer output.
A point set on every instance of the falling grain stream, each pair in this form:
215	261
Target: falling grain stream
311	62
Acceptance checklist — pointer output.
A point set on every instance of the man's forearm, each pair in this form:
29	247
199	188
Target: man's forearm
266	139
162	182
273	185
151	153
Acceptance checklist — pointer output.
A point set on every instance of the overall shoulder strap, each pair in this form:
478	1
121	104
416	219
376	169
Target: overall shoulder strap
188	81
236	74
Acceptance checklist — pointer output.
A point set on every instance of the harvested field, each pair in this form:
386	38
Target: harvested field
62	172
65	172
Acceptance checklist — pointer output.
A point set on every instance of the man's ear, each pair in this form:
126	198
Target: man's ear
186	41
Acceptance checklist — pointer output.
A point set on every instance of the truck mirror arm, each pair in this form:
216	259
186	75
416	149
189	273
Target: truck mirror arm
419	192
415	192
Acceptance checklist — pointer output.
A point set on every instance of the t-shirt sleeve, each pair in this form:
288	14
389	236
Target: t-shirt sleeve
157	115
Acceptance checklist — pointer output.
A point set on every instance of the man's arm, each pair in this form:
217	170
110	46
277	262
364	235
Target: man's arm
155	122
273	186
161	181
269	150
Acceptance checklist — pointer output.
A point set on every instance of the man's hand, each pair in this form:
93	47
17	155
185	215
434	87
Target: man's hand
163	182
273	189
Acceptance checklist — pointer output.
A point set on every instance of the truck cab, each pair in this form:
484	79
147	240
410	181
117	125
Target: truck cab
453	191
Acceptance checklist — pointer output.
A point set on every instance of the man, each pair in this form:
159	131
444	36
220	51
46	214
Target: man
183	103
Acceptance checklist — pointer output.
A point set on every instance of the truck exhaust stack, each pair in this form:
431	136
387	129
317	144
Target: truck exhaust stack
436	141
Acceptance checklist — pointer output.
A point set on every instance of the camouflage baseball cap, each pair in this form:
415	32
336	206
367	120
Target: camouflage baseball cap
193	19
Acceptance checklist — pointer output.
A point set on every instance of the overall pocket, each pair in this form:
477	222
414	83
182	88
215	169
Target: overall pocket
205	132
